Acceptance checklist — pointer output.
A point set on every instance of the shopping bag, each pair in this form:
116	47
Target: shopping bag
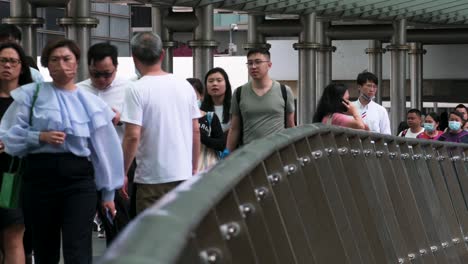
11	187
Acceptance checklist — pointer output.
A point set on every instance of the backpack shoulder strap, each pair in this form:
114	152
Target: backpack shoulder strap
403	134
241	123
209	117
285	98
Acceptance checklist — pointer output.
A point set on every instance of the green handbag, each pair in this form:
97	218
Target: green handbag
11	181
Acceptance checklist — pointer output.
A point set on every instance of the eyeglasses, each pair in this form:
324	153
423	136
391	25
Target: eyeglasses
255	63
13	62
96	74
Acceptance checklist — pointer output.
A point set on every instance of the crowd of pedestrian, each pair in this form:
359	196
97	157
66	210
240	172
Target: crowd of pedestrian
105	149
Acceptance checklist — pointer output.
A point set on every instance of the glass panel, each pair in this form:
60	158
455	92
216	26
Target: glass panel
104	8
4	9
123	48
141	16
102	30
51	15
119	28
119	9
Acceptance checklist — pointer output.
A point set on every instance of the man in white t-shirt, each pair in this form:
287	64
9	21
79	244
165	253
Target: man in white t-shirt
414	121
374	115
161	115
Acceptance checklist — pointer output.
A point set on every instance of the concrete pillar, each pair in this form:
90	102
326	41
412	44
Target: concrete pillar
78	24
23	14
203	42
307	71
398	51
416	54
375	52
324	57
158	27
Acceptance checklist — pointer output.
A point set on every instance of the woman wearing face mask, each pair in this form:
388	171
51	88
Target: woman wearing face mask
70	146
431	125
455	132
211	132
334	108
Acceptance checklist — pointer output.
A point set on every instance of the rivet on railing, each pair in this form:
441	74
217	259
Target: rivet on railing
317	154
456	240
355	152
465	159
329	151
274	178
416	156
304	160
379	153
404	156
343	150
392	155
230	230
411	256
261	193
211	256
434	248
428	157
422	252
246	209
466	239
445	244
290	169
367	152
401	260
440	158
455	158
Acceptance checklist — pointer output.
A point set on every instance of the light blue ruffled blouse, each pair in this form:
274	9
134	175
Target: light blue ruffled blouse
84	117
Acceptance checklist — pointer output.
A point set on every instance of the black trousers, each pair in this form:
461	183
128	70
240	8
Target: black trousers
60	203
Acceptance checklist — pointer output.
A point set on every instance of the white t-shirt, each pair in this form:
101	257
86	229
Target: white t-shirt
410	134
219	111
114	96
374	116
164	106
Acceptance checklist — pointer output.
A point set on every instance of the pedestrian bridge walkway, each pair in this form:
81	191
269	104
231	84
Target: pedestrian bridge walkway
313	194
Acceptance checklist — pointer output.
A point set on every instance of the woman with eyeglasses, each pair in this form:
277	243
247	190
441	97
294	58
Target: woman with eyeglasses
66	138
14	72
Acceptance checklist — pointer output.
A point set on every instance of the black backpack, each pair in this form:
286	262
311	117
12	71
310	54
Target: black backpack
237	93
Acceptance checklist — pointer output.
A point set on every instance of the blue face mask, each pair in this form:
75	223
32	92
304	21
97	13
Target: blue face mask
454	125
429	127
367	98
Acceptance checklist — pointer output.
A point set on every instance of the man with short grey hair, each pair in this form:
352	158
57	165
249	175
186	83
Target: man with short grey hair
161	115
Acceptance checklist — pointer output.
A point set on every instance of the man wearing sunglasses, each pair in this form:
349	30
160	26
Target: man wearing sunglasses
102	68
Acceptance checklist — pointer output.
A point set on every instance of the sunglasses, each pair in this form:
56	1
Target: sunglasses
96	74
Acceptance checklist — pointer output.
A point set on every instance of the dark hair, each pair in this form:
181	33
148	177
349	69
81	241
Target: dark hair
414	111
434	116
366	76
100	51
59	43
25	75
7	31
208	104
461	106
459	114
197	84
331	101
260	51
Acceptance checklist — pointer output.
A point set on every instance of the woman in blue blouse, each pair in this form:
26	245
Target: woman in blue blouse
68	139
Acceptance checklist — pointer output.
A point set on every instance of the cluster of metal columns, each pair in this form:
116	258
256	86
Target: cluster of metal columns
314	47
77	24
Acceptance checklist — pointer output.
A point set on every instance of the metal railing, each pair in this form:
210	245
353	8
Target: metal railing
313	194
